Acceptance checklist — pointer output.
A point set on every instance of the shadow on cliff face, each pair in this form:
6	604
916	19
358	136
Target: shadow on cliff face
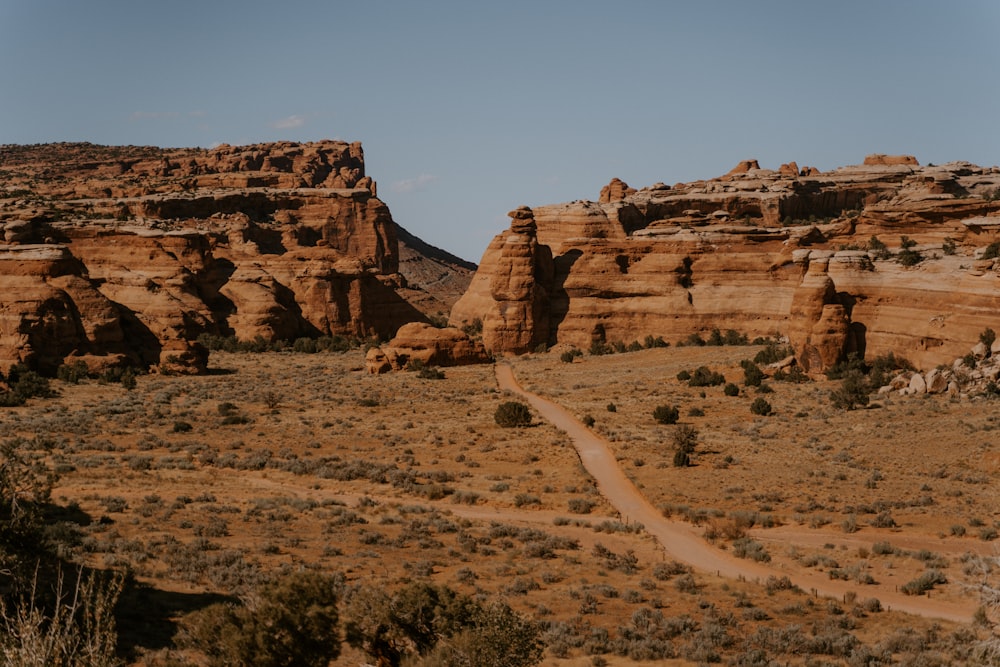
558	297
138	338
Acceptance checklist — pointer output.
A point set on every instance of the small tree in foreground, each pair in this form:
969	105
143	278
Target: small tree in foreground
292	621
512	414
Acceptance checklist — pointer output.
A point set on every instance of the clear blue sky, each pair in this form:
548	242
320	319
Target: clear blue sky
468	109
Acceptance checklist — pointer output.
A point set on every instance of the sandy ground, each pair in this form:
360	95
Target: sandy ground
681	541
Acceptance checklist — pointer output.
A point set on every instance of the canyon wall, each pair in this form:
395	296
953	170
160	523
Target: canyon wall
125	255
887	256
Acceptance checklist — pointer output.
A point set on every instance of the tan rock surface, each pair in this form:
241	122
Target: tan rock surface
732	252
274	240
428	345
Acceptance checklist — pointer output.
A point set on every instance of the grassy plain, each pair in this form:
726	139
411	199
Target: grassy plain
204	486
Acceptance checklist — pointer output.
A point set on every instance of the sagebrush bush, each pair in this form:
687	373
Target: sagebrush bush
666	414
760	407
292	621
512	414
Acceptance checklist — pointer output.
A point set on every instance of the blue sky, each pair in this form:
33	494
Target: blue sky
469	109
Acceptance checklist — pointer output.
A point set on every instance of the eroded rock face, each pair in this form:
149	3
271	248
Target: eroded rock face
429	345
279	241
731	252
518	319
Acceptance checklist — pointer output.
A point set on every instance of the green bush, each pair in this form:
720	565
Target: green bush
292	621
685	441
752	374
666	414
569	355
512	414
853	392
773	353
760	407
705	377
992	251
684	376
731	390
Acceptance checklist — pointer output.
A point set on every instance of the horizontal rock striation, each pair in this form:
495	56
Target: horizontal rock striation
128	254
880	257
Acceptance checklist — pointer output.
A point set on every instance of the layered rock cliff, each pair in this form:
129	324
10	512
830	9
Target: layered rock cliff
127	254
884	256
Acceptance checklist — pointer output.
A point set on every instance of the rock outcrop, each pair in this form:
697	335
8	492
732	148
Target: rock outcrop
518	320
873	258
428	345
125	255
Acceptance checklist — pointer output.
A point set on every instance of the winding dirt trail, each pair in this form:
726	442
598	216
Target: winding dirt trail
683	543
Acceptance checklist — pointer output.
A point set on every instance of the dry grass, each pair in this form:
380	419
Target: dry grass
204	485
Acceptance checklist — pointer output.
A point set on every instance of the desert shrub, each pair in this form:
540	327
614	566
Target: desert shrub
291	621
580	505
745	547
878	248
853	392
182	427
731	389
695	411
685	441
670	569
992	251
752	374
24	384
760	407
666	414
512	414
588	421
570	355
525	499
924	582
498	637
909	257
430	373
657	341
773	353
73	372
705	377
612	407
684	376
76	629
695	340
987	338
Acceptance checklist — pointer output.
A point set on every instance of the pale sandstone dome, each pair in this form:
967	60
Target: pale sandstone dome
134	252
767	253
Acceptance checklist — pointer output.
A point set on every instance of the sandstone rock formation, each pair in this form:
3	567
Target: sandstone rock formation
741	251
431	346
518	319
128	254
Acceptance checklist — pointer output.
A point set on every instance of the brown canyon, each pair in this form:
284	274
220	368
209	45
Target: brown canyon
125	255
887	256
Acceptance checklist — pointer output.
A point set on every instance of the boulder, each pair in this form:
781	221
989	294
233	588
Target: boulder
936	381
429	345
917	384
376	361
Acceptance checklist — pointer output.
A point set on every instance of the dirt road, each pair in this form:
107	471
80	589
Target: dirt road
681	541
